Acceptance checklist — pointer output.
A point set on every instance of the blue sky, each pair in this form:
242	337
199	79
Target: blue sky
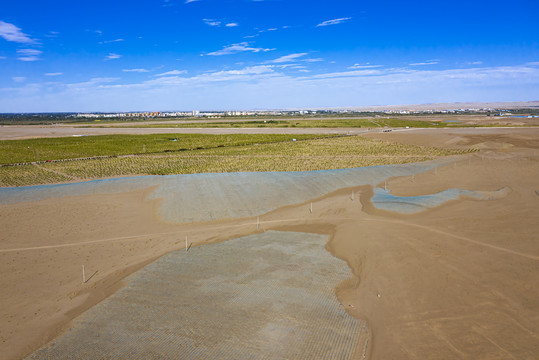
266	54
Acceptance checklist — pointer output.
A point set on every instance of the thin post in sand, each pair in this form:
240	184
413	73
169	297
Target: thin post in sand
258	223
352	196
83	275
185	242
311	208
385	184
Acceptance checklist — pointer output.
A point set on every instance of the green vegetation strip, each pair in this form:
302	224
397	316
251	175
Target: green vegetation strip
302	123
31	150
316	154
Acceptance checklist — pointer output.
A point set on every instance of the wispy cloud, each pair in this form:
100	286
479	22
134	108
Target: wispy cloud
246	74
363	66
212	22
429	62
172	72
54	74
333	22
237	48
288	58
111	41
218	23
52	34
11	32
264	86
112	56
3	57
250	70
18	78
190	1
136	70
28	54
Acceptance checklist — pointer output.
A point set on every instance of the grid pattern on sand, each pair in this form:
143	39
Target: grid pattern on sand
264	296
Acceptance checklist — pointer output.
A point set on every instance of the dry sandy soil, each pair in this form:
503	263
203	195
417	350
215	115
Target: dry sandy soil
457	281
15	132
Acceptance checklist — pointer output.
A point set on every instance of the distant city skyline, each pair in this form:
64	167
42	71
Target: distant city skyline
110	56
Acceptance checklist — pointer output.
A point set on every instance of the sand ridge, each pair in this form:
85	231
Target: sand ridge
450	282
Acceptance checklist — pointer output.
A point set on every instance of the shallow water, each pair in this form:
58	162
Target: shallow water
264	296
383	199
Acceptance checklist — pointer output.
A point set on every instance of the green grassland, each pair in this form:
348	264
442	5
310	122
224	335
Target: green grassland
313	154
299	123
19	151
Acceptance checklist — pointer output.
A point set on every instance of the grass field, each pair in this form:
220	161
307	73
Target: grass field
441	121
315	154
19	151
300	123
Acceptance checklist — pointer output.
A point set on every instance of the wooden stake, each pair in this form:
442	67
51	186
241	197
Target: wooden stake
83	275
311	209
352	196
185	242
258	222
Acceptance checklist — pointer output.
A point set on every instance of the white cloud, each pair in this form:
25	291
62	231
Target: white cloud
11	32
28	54
288	58
288	66
237	48
136	70
354	73
92	83
474	63
111	41
18	78
363	66
190	1
265	87
212	22
250	70
429	62
333	22
173	72
112	56
3	57
218	23
54	74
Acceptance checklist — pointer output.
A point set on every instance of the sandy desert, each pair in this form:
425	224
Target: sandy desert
458	280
